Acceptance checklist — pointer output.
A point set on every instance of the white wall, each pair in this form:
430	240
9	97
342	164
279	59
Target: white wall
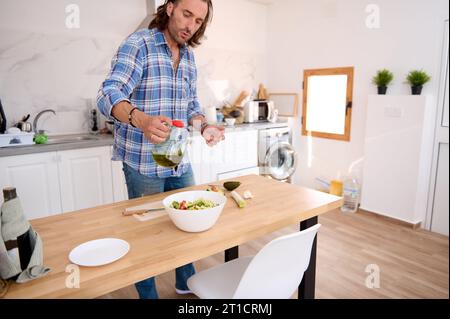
43	64
234	56
306	34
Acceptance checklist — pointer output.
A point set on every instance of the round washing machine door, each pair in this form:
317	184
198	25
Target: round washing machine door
280	161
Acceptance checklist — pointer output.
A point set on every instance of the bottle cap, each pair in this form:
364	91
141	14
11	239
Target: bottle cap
178	123
9	193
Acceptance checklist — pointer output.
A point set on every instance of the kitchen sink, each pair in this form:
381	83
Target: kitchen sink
70	139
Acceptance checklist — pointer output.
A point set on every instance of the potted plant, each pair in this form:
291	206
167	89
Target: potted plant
382	79
417	79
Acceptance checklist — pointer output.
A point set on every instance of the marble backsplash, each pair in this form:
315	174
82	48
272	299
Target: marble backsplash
40	71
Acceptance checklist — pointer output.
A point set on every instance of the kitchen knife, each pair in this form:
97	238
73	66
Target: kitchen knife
141	211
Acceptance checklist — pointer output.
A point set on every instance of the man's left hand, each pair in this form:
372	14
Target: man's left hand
213	134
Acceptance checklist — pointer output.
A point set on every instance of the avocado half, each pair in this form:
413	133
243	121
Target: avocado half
231	186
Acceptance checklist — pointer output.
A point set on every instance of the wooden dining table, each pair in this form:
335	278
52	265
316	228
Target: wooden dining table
158	246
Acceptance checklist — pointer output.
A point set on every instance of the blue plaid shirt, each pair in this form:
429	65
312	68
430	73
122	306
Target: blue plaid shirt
142	74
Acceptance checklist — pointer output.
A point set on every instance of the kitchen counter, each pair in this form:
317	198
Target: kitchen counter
90	141
80	141
254	126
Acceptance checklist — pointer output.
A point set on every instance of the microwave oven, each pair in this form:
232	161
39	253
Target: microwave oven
258	111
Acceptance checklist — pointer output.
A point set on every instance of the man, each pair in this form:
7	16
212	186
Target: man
152	82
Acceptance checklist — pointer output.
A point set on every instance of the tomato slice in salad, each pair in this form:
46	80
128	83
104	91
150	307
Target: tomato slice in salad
183	205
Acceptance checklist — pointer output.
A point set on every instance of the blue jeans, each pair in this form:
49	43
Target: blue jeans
139	185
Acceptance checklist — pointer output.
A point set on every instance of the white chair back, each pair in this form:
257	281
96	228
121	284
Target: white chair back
277	270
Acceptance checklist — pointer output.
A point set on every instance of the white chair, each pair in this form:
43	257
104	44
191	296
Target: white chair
274	273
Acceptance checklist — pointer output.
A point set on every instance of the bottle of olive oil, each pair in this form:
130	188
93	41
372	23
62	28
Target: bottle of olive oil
170	153
169	159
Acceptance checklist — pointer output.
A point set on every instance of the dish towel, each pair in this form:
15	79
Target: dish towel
13	224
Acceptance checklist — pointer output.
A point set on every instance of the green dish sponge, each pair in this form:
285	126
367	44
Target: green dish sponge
40	138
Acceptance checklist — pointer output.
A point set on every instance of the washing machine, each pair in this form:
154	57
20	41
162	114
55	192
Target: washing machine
276	156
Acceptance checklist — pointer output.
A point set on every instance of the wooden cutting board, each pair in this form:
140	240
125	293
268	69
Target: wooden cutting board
144	208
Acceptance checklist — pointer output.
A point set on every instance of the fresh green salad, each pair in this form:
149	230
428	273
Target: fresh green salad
195	205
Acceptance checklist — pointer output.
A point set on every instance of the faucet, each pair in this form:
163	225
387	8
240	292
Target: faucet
37	118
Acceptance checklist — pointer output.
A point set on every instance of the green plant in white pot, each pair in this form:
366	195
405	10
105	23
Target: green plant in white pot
382	79
417	78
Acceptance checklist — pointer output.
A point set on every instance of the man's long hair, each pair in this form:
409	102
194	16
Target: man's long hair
161	20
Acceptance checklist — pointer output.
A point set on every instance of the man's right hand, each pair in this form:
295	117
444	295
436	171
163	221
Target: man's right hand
156	129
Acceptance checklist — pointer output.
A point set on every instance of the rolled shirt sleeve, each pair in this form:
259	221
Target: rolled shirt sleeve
124	77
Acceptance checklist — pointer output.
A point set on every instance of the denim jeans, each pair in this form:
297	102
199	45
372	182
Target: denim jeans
139	185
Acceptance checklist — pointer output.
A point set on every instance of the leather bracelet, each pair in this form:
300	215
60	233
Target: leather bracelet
129	116
203	127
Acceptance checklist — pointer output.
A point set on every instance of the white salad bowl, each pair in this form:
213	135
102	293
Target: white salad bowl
195	220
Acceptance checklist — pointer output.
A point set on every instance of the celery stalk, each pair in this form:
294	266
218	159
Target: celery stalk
238	199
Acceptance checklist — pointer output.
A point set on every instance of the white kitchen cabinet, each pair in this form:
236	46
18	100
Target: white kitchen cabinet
241	172
35	177
238	152
200	158
120	192
85	177
56	182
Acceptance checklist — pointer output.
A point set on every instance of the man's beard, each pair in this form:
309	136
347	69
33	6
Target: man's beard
179	40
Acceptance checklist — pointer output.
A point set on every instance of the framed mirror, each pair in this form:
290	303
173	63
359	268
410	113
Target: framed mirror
327	103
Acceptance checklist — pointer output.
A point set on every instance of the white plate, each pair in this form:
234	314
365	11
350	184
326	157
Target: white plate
99	252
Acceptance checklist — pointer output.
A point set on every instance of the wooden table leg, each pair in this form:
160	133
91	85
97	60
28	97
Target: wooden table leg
231	253
306	289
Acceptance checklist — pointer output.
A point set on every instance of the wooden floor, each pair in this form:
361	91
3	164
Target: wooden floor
411	263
